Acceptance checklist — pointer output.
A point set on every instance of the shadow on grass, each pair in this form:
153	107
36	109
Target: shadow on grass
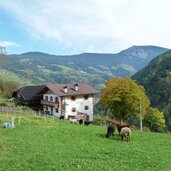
114	137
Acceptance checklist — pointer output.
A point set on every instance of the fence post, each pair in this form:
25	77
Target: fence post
12	122
19	120
45	119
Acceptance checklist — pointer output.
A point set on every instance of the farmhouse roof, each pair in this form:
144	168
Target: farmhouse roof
83	89
30	92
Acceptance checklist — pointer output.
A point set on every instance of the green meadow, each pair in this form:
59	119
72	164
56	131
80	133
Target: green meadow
12	77
43	143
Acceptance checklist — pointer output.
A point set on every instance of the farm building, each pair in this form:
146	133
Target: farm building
68	100
29	96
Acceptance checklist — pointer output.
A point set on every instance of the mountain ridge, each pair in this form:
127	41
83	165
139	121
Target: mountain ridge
98	53
91	68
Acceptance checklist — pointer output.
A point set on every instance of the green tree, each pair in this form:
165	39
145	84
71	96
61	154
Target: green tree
121	96
154	119
8	88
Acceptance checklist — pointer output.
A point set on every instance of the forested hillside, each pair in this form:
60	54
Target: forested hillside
156	78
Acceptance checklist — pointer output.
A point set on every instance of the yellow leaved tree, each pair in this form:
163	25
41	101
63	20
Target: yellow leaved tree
122	97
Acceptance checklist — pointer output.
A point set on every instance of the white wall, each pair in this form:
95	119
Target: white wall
79	104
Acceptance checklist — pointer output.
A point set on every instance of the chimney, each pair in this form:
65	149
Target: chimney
65	89
76	87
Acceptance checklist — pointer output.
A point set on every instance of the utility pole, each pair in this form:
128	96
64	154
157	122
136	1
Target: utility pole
141	114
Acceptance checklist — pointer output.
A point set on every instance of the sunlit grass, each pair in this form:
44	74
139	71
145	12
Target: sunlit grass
41	143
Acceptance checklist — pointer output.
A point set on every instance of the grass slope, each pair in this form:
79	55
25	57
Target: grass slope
10	76
47	144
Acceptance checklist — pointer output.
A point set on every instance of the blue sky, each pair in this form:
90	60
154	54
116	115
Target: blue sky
73	26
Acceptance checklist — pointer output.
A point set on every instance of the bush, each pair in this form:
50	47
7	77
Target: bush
22	108
8	88
97	118
146	129
3	104
102	120
154	119
133	127
162	129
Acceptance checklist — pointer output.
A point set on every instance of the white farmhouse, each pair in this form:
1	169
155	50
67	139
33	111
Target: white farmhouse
69	100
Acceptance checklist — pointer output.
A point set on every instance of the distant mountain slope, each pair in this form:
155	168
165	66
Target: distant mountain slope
156	78
90	68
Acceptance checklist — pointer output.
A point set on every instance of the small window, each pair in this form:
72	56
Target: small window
57	110
74	109
56	99
46	107
46	98
86	97
73	98
86	108
51	98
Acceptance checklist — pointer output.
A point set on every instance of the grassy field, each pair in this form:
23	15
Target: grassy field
41	144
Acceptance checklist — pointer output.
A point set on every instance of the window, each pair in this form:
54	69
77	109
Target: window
74	109
86	97
73	98
86	108
51	98
57	110
56	99
46	98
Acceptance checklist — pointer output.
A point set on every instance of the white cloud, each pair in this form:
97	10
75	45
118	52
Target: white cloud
94	25
8	44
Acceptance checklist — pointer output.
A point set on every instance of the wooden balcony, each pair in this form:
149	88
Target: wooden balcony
48	103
